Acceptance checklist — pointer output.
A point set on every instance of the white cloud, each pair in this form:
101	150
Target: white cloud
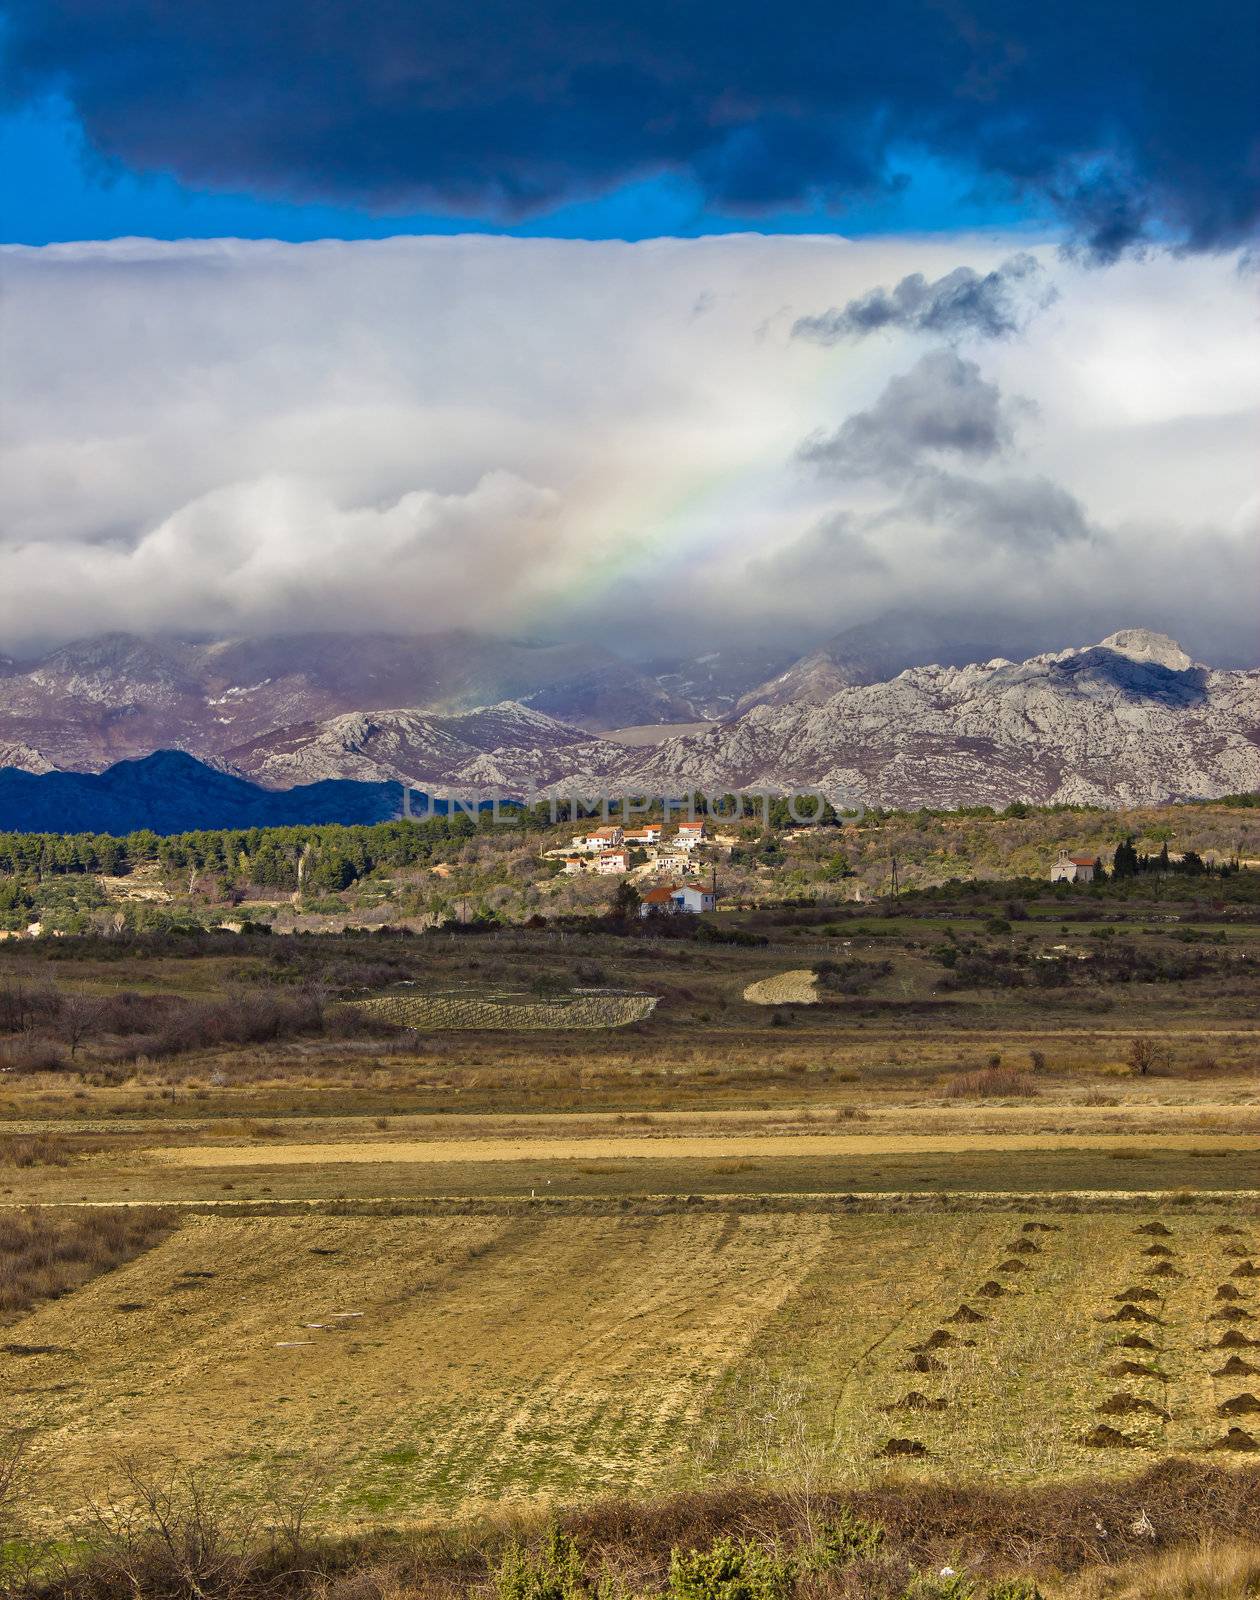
272	552
546	436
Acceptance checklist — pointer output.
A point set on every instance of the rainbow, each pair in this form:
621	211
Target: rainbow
684	518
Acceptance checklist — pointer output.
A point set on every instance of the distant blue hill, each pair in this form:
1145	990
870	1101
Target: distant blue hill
171	792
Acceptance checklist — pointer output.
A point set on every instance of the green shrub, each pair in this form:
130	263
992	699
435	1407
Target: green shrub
848	1538
729	1571
851	977
1015	1589
553	1573
954	1587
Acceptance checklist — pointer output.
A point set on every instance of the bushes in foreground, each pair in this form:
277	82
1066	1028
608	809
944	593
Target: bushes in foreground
184	1537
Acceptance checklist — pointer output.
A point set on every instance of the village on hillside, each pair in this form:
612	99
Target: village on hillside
669	868
463	870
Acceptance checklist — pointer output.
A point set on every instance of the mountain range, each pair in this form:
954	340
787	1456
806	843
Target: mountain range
171	792
117	696
1130	720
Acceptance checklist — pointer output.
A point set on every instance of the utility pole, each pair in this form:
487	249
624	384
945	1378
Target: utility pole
894	877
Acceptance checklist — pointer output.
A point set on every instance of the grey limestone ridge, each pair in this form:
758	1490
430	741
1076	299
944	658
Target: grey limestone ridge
1131	720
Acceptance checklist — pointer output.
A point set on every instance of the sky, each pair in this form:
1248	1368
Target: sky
674	326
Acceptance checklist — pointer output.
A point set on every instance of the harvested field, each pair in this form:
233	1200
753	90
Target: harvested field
437	1362
718	1147
796	988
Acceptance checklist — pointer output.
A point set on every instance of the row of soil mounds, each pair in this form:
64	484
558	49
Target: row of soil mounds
1233	1308
925	1357
1133	1304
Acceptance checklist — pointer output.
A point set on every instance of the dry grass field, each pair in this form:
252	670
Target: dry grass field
882	1229
797	987
442	1362
1148	1138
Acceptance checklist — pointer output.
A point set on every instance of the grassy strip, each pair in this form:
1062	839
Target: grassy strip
1233	1203
1165	1170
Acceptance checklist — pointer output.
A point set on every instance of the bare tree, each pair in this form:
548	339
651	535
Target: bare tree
1144	1054
172	1532
13	1446
292	1494
78	1014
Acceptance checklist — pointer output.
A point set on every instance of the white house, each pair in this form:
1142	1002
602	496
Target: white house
671	898
649	834
612	861
689	835
608	838
1074	869
574	864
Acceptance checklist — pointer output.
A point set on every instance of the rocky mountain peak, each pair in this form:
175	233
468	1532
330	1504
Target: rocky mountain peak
1142	644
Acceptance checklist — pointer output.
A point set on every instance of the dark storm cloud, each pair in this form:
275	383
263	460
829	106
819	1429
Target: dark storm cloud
941	405
987	305
1107	212
1025	515
1132	120
837	545
942	409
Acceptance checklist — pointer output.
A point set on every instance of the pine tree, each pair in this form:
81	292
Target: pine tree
625	901
1125	862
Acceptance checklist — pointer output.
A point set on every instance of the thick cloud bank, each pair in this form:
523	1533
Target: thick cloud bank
617	441
1130	120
